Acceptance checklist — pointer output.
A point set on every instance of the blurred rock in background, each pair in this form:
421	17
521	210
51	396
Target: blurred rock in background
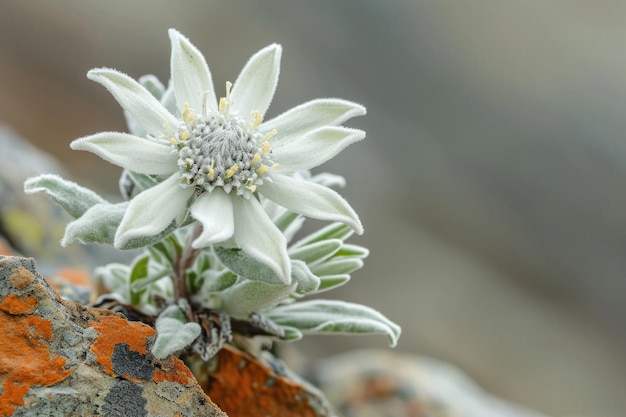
375	383
33	226
492	184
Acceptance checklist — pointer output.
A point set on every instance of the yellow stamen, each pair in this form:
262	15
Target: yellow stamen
270	134
230	172
252	188
274	166
224	104
185	135
257	119
173	141
211	171
256	159
188	114
266	148
262	169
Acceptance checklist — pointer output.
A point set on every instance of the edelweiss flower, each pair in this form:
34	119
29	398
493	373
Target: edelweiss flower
215	156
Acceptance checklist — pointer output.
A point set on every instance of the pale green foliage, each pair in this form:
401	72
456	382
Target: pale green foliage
73	198
330	316
243	264
230	281
173	335
97	225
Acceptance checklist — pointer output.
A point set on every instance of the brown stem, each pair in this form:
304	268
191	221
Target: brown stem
182	263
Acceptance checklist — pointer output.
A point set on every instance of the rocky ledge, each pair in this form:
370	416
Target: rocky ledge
60	358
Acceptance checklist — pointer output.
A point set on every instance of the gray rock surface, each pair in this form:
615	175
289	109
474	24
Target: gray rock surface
375	383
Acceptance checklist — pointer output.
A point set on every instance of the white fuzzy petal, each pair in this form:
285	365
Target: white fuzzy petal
309	116
130	152
310	199
190	75
135	99
215	211
257	81
169	99
152	210
314	148
257	235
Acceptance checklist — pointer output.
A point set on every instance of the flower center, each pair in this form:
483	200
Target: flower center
222	150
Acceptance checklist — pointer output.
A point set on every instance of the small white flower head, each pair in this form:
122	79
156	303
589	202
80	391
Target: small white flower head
215	155
221	149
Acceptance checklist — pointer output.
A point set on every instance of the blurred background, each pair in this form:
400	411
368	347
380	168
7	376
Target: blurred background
492	183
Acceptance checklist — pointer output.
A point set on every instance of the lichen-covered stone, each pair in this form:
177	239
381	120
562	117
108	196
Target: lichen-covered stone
247	386
59	358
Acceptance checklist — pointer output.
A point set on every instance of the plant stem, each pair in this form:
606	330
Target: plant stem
183	262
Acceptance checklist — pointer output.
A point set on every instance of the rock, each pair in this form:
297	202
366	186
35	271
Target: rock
247	386
59	358
31	224
373	383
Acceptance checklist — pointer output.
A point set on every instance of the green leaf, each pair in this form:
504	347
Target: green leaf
141	284
354	251
138	271
285	220
97	225
329	316
246	266
315	251
203	261
173	335
175	244
74	199
174	312
166	250
218	281
291	334
337	266
143	241
329	282
303	277
132	183
332	231
194	282
247	297
115	278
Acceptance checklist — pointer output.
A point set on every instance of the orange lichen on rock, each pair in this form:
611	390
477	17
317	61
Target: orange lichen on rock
24	337
243	386
21	278
76	276
114	330
179	373
13	304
